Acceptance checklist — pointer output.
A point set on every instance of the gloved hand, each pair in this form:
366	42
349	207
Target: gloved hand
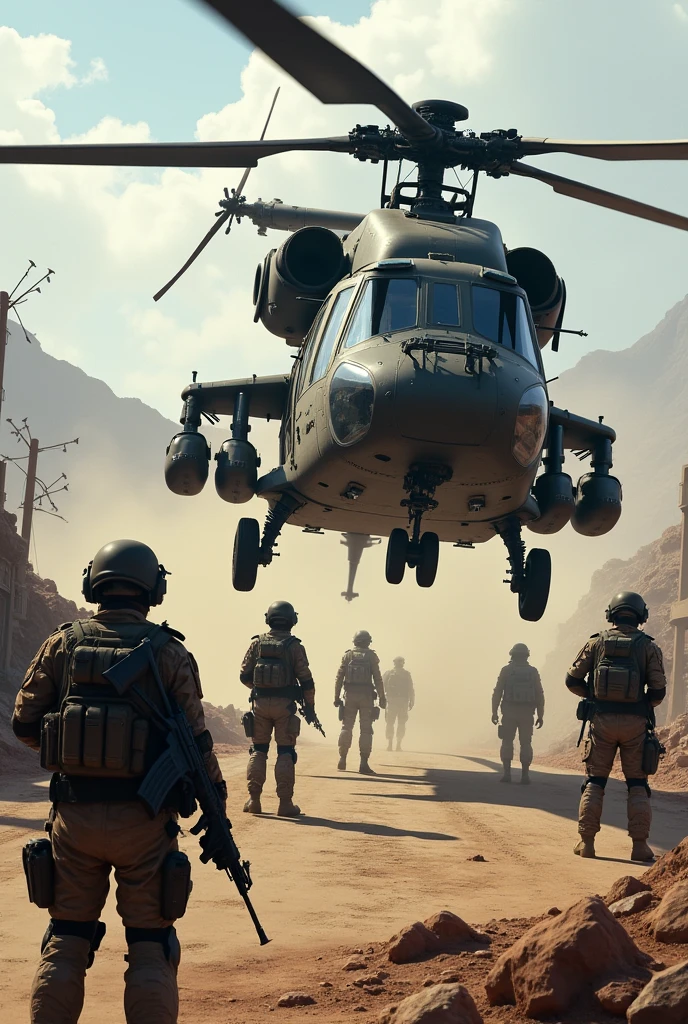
382	701
309	713
495	719
538	723
338	702
213	842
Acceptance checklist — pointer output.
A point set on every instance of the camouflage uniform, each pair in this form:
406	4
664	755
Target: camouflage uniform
359	700
278	714
520	695
400	695
613	729
91	837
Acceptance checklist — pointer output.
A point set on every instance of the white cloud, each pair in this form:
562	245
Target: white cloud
680	12
97	72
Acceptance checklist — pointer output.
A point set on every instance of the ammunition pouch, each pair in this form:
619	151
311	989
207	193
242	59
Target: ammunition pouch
340	712
583	710
653	750
500	732
105	739
176	885
39	868
248	721
273	668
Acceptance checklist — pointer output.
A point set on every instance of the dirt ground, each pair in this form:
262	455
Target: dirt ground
369	855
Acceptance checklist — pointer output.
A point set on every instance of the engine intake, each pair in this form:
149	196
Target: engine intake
293	278
546	292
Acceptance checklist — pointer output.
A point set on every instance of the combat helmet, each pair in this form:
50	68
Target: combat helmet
521	649
627	601
128	562
281	614
400	660
363	638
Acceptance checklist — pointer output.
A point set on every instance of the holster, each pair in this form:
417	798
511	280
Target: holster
652	752
376	712
500	732
248	722
176	885
340	712
39	868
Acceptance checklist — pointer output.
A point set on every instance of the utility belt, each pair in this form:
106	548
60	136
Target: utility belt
620	707
73	789
291	692
359	686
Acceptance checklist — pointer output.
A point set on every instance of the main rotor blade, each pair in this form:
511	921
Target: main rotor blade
597	196
329	73
169	154
671	149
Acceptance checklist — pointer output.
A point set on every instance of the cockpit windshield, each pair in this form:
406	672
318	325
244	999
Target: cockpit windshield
384	304
501	317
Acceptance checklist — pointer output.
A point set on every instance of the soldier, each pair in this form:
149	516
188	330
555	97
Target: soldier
359	674
519	692
68	711
400	700
625	680
274	666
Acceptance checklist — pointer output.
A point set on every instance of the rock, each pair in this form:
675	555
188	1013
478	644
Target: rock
673	739
412	942
441	1004
429	982
670	920
681	760
631	904
478	857
371	979
617	996
664	1000
450	928
554	911
482	954
325	984
672	867
544	972
355	964
448	976
295	999
627	885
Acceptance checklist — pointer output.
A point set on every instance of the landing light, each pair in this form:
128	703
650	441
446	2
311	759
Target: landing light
352	397
531	425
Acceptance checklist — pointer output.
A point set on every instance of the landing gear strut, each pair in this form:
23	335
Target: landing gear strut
419	551
250	551
531	576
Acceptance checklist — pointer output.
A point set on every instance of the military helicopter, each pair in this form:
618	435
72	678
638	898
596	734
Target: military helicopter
417	406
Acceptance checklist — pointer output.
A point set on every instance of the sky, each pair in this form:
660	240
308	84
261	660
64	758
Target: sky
170	71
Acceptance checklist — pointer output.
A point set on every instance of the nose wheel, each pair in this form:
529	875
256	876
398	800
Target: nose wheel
422	555
531	576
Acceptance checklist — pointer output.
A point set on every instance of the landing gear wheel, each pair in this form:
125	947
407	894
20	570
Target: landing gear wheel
532	599
428	558
397	555
245	559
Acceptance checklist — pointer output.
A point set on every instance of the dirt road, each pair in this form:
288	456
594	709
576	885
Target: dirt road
370	854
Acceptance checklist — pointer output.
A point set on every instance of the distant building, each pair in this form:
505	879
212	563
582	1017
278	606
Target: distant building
13	563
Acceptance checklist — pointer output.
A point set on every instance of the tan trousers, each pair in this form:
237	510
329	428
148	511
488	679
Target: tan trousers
396	715
609	733
358	701
89	840
517	718
273	714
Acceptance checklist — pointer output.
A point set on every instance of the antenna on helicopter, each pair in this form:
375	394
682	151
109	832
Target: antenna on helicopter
227	212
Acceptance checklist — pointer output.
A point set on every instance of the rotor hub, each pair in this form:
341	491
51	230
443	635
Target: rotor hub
441	113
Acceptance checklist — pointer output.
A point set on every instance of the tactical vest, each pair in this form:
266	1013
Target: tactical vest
359	671
274	670
397	685
96	733
618	674
520	687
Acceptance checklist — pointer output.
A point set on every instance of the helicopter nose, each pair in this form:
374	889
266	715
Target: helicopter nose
445	396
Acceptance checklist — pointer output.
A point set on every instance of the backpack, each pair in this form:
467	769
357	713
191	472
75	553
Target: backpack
359	671
519	687
95	732
274	666
619	672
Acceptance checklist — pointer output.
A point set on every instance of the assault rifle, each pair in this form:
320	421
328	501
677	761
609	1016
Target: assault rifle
308	712
183	761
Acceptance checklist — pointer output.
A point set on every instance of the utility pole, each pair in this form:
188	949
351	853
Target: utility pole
679	611
30	491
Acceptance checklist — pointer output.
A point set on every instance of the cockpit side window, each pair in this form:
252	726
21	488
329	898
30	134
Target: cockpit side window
329	335
385	304
444	304
501	317
307	353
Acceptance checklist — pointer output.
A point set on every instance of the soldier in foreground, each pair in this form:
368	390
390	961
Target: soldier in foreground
519	694
359	675
620	675
400	700
100	747
276	671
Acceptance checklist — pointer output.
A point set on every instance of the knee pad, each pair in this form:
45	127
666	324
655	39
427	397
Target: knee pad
260	748
632	783
92	931
594	780
167	937
288	750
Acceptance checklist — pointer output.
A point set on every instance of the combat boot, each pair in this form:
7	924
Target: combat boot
525	775
641	851
585	847
398	744
252	805
364	767
341	764
389	745
506	777
288	809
